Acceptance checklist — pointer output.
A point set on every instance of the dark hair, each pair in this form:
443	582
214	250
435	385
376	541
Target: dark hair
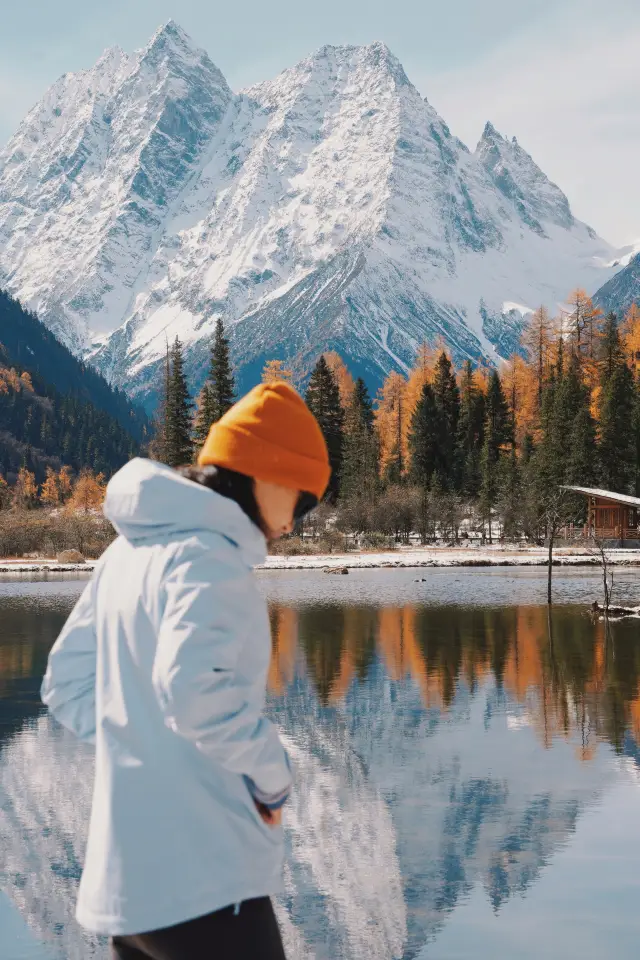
228	483
239	488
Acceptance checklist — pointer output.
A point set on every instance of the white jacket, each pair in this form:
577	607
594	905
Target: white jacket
163	663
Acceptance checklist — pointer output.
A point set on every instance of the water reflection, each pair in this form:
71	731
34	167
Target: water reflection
438	751
572	677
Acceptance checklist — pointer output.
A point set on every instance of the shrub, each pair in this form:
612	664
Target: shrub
48	534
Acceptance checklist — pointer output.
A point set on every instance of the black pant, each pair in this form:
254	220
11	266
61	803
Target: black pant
250	934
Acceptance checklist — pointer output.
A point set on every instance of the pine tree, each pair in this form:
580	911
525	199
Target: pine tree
205	407
581	461
636	439
427	438
360	448
489	471
582	456
611	349
499	423
179	447
362	404
447	398
510	496
158	444
323	399
342	376
218	393
618	451
567	453
470	430
528	449
498	435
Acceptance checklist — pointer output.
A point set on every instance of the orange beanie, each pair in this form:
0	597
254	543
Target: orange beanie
271	435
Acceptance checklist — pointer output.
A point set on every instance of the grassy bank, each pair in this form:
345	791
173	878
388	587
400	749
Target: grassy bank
46	534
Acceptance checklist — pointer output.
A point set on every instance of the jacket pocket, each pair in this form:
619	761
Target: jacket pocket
275	834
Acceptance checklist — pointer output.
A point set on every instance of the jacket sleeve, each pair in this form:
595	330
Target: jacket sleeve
69	685
204	697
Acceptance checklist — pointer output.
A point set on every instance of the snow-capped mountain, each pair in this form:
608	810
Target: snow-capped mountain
328	208
86	183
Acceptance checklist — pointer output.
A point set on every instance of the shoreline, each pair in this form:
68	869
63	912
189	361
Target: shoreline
403	558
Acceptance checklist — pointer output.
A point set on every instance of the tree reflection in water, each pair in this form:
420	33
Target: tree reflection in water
572	681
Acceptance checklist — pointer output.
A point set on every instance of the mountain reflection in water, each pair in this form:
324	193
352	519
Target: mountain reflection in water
438	750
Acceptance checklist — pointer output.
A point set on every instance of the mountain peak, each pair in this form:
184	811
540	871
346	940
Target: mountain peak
490	134
328	207
518	177
375	56
172	50
112	55
171	32
171	42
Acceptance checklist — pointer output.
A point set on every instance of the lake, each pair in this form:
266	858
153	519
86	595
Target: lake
467	767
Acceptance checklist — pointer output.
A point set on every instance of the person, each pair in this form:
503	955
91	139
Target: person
163	664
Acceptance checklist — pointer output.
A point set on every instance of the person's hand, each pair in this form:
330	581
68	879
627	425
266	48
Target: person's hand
272	818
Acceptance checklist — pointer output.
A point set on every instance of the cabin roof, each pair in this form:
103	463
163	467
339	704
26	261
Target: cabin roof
606	495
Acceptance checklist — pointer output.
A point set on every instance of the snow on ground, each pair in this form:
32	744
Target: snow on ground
471	556
450	557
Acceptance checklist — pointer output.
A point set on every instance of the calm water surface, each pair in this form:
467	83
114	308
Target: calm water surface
468	770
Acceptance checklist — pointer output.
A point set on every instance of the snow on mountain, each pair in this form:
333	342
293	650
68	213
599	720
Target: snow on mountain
86	182
626	255
622	290
328	208
520	180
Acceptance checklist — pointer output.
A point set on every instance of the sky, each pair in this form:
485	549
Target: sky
561	75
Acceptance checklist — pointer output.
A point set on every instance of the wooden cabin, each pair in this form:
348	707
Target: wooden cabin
611	516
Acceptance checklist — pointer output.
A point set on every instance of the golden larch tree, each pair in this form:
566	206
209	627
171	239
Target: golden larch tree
275	370
65	484
519	382
585	326
631	336
25	490
343	378
88	492
5	493
389	417
50	493
536	339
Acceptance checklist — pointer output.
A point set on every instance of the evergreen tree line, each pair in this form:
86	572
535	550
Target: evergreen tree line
40	428
28	345
181	427
440	442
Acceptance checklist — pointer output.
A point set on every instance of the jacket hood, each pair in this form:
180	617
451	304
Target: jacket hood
146	500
